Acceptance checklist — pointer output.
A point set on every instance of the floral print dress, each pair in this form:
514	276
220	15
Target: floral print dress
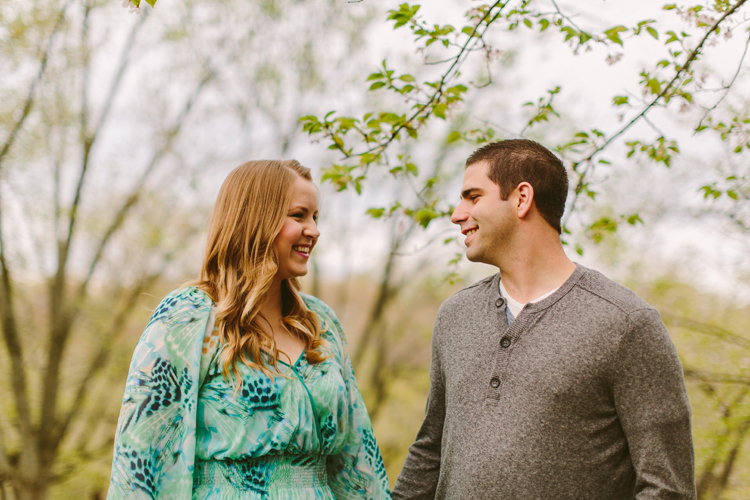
184	433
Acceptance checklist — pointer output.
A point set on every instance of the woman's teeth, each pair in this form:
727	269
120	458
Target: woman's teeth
305	250
469	233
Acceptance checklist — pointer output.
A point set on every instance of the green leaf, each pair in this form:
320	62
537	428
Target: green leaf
544	24
377	85
620	100
614	34
732	194
527	22
672	37
634	219
439	110
453	137
652	32
376	213
406	78
670	6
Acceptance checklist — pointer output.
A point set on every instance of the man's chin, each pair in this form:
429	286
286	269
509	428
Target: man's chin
473	256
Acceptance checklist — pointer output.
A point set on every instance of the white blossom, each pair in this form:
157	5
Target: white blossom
133	8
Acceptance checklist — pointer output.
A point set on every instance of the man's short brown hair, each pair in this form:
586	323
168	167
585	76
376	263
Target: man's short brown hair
515	161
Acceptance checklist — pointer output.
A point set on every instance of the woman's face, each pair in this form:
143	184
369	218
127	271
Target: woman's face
300	231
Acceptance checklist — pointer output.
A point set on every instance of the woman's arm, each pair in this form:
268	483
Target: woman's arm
155	441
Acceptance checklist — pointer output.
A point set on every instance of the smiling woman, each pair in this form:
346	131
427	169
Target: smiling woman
241	387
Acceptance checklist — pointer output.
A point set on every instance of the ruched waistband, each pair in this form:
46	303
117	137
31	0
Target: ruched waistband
264	473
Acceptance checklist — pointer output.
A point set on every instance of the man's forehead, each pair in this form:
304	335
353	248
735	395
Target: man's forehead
476	174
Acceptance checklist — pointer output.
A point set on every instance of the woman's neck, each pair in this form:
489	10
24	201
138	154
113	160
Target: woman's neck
271	308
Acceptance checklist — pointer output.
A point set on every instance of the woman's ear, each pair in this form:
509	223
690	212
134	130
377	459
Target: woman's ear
525	198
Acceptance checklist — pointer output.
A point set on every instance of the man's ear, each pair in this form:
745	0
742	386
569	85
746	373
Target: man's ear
525	198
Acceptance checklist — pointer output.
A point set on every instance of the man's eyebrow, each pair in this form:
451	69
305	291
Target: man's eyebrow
466	192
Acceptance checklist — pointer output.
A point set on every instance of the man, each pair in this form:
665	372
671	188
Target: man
555	383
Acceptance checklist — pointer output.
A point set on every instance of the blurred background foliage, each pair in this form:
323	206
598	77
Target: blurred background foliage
117	130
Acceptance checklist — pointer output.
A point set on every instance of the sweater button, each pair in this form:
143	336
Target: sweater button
505	342
495	382
499	302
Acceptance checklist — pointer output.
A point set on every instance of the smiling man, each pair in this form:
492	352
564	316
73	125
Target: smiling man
553	382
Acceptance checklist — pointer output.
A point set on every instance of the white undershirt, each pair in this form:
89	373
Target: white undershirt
515	306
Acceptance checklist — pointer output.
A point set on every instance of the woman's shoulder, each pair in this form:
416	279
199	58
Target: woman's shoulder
329	322
316	305
182	305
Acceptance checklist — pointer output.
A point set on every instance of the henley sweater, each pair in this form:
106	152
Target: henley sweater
582	397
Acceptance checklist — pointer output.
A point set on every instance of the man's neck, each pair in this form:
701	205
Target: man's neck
533	270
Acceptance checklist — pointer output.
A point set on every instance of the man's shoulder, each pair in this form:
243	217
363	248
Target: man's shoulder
598	287
470	296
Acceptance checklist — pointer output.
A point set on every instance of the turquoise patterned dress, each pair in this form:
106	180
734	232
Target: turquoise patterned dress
183	433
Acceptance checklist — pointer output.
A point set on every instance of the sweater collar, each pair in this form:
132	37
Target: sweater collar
578	272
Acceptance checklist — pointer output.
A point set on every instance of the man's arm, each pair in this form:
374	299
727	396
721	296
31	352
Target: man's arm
653	408
419	477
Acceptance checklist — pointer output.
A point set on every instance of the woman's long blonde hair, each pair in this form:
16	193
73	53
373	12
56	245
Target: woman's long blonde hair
240	263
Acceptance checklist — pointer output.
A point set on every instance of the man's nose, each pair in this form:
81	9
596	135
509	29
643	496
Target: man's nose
459	214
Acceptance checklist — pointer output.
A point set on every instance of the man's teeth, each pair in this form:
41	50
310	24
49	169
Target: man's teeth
470	232
302	249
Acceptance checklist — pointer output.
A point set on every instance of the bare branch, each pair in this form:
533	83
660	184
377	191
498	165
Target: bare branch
678	75
115	330
137	191
727	87
706	329
5	467
58	328
29	103
13	343
716	378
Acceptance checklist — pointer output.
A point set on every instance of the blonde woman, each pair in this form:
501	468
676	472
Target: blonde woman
241	387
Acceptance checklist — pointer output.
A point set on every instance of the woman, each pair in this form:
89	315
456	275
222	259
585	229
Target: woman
241	387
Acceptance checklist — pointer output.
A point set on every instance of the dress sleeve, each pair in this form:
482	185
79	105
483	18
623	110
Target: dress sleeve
653	408
358	472
155	441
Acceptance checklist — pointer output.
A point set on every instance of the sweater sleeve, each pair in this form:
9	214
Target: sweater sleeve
419	476
155	441
357	472
654	411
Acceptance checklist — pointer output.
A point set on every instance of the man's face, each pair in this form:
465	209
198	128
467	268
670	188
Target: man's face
486	220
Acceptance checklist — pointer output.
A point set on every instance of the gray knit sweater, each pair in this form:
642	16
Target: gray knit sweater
582	397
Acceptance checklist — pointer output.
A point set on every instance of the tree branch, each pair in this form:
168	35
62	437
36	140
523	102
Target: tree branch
706	329
115	330
58	330
716	378
727	87
13	343
683	69
29	103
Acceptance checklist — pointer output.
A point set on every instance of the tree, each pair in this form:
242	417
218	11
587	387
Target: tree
680	86
673	84
103	184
